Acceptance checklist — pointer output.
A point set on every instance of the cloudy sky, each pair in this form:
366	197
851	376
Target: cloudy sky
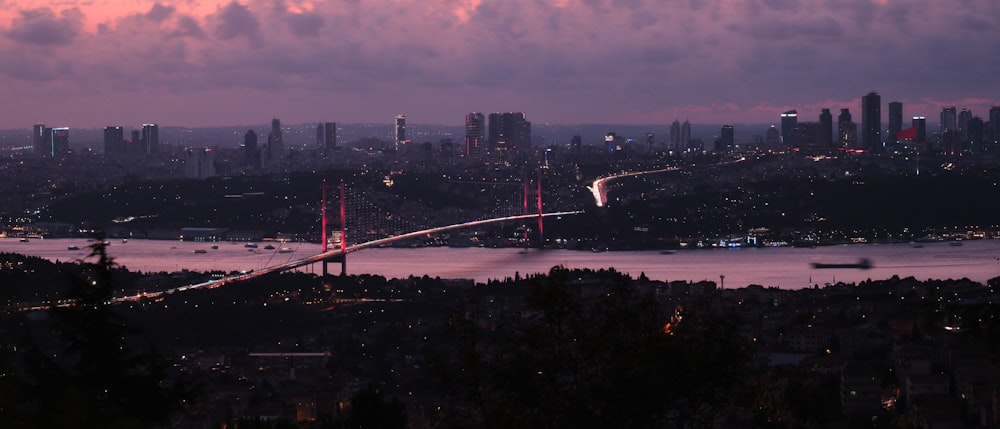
206	62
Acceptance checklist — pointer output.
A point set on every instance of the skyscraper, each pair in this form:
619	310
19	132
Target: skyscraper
948	119
114	140
151	138
38	134
326	136
825	129
509	131
995	124
895	120
56	141
400	130
963	124
675	136
976	132
920	123
789	120
871	122
475	126
251	156
685	134
275	141
727	137
847	130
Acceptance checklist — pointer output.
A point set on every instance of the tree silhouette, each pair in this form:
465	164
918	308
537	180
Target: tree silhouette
83	372
583	359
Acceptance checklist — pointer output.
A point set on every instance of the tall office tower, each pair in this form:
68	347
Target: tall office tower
58	141
151	138
650	141
871	122
199	163
963	124
275	142
38	135
948	119
475	126
847	130
995	124
976	133
772	137
400	130
251	156
727	136
825	129
611	143
114	141
326	136
685	140
789	120
895	120
920	124
675	135
509	131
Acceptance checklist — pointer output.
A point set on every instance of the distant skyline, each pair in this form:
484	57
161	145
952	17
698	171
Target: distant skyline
216	63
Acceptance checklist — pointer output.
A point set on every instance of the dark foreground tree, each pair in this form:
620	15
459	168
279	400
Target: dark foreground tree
596	358
76	368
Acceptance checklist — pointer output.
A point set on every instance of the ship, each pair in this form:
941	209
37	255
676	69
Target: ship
285	250
200	251
862	264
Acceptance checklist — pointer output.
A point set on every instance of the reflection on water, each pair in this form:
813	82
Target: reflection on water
782	267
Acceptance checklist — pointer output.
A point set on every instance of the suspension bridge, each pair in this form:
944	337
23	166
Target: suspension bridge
375	228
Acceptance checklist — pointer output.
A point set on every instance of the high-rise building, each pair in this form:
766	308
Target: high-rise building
920	124
949	121
38	135
509	132
789	120
995	125
326	136
895	120
56	141
772	137
727	138
199	163
151	138
400	130
976	134
825	138
114	140
847	130
475	127
275	141
963	125
871	122
251	155
675	136
685	141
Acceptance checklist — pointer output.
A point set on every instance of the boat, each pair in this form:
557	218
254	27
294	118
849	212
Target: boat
269	247
862	264
285	250
250	245
668	252
215	247
955	243
124	240
200	251
73	248
24	240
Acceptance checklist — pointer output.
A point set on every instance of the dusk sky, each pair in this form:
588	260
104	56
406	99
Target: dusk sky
200	63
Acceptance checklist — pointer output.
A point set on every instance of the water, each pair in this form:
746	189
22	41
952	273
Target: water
784	267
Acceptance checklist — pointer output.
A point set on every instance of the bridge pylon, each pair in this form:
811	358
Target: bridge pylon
342	257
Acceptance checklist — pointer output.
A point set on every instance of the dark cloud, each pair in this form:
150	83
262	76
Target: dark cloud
304	24
44	27
160	13
188	27
237	21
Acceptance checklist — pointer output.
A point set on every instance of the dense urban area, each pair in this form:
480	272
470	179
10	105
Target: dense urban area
567	348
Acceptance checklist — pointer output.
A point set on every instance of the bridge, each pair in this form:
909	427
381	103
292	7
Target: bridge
339	252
